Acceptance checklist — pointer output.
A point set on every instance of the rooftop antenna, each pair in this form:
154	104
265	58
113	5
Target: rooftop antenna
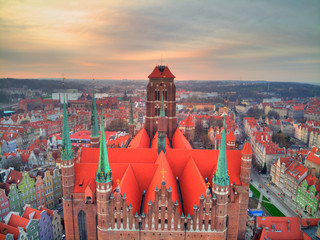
161	59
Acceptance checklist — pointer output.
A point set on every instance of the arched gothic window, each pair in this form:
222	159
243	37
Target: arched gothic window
82	225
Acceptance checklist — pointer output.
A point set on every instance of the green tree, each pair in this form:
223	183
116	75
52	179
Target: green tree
273	114
264	169
255	113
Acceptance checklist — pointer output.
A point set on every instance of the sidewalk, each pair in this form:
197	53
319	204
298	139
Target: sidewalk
287	200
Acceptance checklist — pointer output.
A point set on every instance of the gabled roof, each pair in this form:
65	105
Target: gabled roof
130	187
49	212
296	170
141	140
161	72
29	210
180	141
10	229
14	177
145	171
167	73
192	186
155	73
17	221
163	172
154	143
313	157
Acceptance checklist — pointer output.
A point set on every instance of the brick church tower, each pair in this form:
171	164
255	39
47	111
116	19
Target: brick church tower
161	83
104	186
221	182
67	167
94	136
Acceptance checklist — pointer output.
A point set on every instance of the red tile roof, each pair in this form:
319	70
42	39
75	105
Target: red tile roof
167	73
155	73
10	229
28	213
180	141
192	186
247	149
230	136
158	178
296	170
313	157
145	168
49	212
189	122
278	228
14	177
154	143
130	187
17	221
141	140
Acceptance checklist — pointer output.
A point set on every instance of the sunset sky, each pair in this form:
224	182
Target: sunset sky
272	40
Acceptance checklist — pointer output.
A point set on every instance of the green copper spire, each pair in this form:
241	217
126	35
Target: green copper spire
162	135
131	114
162	108
104	173
66	153
94	118
221	177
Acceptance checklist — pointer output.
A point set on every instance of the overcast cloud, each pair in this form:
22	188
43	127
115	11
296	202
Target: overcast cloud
203	40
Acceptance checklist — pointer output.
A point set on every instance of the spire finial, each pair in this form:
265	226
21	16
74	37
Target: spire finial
94	118
131	113
66	153
221	177
104	173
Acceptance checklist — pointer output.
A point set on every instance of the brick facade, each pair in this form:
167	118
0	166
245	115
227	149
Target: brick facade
158	86
101	210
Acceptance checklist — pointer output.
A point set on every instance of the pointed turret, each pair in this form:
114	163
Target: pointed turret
68	175
221	177
66	153
162	129
131	113
104	173
94	137
131	123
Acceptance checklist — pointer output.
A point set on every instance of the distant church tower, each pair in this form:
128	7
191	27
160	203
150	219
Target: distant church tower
94	136
161	83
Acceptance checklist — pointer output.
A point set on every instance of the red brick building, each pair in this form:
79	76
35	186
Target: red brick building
161	83
140	192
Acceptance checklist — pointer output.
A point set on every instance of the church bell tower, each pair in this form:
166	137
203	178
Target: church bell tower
161	83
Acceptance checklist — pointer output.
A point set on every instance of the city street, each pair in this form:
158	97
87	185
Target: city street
272	194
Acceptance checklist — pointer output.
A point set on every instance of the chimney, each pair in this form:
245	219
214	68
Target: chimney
289	225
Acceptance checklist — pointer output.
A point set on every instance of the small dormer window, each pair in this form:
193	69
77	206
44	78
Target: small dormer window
88	199
81	182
